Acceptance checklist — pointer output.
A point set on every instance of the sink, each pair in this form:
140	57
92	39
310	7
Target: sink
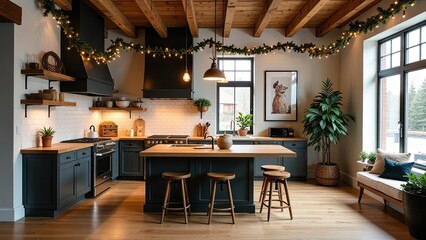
242	137
187	145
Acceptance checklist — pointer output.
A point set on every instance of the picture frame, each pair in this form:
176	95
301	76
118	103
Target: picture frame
281	95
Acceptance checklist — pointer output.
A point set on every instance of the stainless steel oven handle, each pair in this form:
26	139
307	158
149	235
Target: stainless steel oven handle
104	153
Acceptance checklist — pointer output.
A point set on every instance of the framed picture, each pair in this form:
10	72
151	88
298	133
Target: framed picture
281	95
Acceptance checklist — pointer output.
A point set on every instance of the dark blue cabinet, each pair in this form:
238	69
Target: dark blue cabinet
297	166
131	165
115	162
259	161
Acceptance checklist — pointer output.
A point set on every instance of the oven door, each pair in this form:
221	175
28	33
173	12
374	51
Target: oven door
103	166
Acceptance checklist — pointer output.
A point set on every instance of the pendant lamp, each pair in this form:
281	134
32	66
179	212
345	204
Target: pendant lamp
214	73
186	77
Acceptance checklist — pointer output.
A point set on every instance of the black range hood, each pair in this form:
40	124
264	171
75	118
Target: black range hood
91	78
163	76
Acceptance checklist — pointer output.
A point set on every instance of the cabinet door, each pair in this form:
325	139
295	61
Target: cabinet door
259	161
83	176
131	165
115	164
67	192
296	166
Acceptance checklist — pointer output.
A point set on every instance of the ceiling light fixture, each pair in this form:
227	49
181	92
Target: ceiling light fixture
225	80
214	73
186	76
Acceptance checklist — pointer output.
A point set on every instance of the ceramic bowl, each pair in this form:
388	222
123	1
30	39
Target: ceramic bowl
122	104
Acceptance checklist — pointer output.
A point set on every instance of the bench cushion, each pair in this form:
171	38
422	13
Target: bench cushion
379	164
389	187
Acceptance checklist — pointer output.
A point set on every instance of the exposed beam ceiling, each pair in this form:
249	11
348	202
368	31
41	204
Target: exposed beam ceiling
265	16
64	4
229	17
307	13
10	12
154	18
111	11
347	11
188	6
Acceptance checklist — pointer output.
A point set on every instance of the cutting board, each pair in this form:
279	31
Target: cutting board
139	127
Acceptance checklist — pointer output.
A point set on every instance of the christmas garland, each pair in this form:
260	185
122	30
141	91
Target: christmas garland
113	51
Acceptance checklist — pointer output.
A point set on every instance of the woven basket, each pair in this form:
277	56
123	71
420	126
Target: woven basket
327	175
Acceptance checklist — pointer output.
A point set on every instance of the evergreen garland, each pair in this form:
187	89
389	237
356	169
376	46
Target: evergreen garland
113	51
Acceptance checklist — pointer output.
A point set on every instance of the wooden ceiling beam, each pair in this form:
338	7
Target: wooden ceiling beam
148	8
188	7
10	12
65	5
229	17
114	14
305	14
348	10
269	9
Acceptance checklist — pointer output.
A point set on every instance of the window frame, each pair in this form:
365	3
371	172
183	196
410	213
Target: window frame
235	84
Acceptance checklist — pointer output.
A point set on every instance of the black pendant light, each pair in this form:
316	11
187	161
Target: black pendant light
214	73
186	76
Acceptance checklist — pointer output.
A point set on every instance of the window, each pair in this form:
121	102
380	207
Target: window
237	94
402	93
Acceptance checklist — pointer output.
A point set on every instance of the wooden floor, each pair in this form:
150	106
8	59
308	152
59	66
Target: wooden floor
319	213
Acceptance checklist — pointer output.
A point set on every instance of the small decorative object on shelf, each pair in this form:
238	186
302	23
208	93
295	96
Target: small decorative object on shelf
32	62
202	105
244	121
56	66
371	157
46	136
363	155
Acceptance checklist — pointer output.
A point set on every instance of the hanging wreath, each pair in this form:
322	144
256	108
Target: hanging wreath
56	66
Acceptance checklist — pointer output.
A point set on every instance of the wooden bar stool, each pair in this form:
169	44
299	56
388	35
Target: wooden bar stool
174	177
218	178
279	177
269	168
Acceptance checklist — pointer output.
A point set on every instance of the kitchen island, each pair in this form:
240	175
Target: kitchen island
200	159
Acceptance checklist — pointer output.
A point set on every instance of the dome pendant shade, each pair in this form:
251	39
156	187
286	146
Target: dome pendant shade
186	76
214	73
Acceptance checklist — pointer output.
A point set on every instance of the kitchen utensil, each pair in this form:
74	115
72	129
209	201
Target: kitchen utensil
92	132
108	129
122	103
139	126
109	104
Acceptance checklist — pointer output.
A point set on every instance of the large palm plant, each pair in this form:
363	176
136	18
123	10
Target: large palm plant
324	121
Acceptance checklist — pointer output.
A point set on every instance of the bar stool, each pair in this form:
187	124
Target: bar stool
281	179
269	168
220	178
174	177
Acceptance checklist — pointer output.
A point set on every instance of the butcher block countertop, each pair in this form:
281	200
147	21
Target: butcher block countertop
165	150
57	148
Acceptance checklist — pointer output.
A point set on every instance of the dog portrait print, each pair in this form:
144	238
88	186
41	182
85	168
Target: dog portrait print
279	103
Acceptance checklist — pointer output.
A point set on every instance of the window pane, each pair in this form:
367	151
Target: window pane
385	63
227	65
396	57
242	95
416	126
413	54
385	48
423	34
423	51
226	107
243	76
396	44
229	76
243	65
389	115
413	38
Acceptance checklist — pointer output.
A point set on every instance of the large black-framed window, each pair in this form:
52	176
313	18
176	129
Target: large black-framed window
237	94
402	93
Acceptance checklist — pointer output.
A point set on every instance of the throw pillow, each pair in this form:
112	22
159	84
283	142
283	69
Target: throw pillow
379	164
397	170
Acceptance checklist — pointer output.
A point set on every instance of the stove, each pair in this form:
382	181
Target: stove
165	139
86	140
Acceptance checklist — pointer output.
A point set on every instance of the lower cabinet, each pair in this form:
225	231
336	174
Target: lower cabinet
131	165
52	182
297	166
115	162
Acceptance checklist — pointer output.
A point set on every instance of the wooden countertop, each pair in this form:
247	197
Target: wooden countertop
57	148
165	150
254	138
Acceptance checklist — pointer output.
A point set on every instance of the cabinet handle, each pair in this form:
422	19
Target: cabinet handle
68	157
84	153
294	144
77	164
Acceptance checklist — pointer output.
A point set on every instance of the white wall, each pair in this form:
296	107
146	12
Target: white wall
358	82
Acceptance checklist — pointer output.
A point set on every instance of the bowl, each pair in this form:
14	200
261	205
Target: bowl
122	104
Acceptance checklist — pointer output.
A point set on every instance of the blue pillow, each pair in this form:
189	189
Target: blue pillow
397	170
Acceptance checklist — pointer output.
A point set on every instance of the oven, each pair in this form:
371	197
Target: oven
165	139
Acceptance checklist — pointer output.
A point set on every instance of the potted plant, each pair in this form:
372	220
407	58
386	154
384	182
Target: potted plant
414	201
244	121
371	157
326	124
202	105
363	155
46	136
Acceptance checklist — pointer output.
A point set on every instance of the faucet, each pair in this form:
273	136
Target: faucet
233	127
205	137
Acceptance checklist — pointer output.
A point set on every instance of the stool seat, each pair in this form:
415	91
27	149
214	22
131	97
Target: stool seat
176	175
221	176
276	174
272	168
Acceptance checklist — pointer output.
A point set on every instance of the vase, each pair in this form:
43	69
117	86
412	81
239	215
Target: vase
327	175
224	142
415	214
46	141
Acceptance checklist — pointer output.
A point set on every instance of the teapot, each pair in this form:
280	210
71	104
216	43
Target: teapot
224	141
92	133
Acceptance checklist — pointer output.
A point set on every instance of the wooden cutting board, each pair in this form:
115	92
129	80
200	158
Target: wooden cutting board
139	127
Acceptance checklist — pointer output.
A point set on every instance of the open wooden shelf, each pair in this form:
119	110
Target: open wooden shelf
47	75
49	103
129	109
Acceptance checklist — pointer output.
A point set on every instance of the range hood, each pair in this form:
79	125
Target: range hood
163	76
91	78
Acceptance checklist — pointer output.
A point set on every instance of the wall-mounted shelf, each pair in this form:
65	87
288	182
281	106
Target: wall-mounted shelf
47	75
49	103
129	109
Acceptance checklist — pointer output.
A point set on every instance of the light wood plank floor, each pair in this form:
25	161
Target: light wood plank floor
319	213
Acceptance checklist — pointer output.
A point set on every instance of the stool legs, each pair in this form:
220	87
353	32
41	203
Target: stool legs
211	204
166	200
185	200
288	199
268	202
231	202
212	201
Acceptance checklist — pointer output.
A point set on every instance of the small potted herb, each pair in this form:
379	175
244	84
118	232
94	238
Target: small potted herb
371	157
363	155
46	136
414	201
244	121
202	105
